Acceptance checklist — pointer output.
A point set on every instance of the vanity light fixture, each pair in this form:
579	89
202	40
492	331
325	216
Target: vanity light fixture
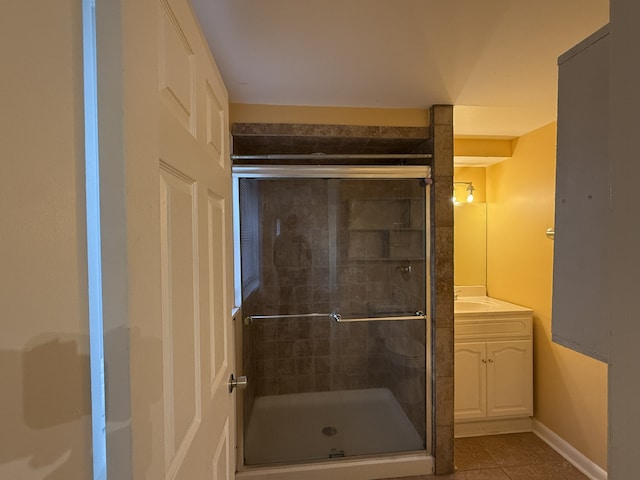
470	189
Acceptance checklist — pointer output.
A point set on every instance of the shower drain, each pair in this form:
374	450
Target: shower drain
329	431
335	453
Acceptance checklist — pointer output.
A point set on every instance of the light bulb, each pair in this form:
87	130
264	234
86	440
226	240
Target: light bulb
470	190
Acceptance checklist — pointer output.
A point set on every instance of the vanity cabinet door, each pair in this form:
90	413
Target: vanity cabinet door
509	378
470	380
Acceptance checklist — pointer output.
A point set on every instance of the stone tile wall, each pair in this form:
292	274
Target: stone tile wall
441	137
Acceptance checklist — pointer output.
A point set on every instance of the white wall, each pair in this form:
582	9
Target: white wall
44	364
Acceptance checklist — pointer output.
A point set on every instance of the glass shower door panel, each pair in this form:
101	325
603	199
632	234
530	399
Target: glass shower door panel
319	388
380	254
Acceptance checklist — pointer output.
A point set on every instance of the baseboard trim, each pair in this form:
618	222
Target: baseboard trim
568	452
492	427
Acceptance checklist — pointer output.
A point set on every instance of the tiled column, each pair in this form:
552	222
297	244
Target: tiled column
441	135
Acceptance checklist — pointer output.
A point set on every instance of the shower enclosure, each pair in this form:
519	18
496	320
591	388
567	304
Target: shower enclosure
334	275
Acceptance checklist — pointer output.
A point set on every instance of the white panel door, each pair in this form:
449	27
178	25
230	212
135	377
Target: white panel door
179	246
470	380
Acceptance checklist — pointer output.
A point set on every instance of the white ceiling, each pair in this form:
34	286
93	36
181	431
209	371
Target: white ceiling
495	60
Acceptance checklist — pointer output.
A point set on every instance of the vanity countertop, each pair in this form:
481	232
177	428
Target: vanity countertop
471	305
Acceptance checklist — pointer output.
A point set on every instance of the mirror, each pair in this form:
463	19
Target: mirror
470	243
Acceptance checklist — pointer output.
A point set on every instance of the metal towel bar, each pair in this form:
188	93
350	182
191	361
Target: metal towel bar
251	318
335	316
417	316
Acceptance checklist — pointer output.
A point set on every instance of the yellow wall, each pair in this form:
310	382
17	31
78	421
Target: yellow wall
396	117
570	388
469	235
482	147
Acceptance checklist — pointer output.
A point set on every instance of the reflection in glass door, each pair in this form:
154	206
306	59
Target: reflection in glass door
334	338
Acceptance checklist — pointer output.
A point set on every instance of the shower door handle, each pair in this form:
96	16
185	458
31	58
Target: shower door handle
240	382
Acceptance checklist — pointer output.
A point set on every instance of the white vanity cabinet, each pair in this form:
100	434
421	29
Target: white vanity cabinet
493	355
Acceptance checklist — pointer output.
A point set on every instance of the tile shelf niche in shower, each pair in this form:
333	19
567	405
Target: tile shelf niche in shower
390	228
390	244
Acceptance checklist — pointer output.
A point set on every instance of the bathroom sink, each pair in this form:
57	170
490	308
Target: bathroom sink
471	306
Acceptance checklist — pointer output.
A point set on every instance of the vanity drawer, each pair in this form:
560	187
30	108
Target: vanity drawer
492	328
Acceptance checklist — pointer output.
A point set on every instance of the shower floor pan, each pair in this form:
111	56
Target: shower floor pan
311	426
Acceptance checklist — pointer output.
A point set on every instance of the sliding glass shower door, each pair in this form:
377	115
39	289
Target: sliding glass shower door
334	281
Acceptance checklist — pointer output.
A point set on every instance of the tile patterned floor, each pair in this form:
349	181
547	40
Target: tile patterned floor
519	456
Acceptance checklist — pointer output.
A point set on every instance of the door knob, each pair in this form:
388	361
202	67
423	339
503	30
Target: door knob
240	382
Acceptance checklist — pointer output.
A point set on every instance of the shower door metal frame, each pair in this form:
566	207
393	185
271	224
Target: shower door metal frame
379	172
332	171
